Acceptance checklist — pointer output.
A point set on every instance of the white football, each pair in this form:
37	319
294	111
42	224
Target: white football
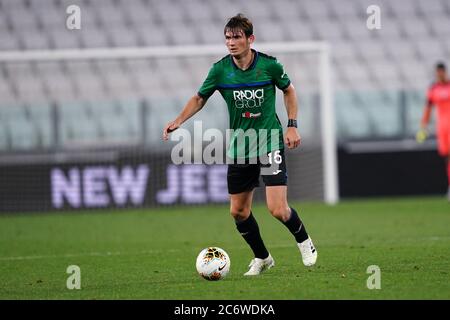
213	263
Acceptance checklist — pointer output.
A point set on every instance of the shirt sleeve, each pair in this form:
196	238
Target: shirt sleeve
209	85
279	76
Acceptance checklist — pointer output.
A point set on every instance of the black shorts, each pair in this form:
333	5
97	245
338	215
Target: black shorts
245	177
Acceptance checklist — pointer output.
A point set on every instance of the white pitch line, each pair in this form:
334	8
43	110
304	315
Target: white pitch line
148	252
107	254
85	254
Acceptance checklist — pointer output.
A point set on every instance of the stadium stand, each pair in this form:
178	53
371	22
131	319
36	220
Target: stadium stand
375	71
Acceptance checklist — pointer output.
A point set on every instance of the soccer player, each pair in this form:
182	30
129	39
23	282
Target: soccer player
439	95
246	79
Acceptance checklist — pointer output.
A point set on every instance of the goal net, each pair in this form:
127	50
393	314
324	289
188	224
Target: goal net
81	129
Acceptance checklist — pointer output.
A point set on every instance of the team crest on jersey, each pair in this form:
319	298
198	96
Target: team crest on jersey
231	74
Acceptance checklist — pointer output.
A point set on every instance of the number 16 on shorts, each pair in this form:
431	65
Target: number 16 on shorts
271	165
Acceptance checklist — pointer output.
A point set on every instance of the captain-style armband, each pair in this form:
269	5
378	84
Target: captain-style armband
292	123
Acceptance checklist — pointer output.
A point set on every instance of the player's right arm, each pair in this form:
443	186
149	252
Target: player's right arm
194	105
426	115
425	120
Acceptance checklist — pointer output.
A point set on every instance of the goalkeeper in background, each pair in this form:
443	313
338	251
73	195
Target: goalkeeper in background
439	95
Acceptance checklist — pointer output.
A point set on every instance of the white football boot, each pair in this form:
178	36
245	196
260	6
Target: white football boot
308	252
258	265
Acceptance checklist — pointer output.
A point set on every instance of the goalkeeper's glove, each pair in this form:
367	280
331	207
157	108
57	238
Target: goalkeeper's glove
421	135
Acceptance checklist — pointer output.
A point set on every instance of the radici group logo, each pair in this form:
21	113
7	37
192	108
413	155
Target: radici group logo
248	98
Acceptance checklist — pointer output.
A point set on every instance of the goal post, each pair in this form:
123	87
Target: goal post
329	141
323	89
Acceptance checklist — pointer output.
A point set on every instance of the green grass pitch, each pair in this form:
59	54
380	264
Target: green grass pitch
150	254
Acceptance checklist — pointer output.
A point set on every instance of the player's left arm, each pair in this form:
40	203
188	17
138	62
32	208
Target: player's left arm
291	138
281	79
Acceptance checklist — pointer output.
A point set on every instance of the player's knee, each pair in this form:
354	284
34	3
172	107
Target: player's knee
240	212
280	212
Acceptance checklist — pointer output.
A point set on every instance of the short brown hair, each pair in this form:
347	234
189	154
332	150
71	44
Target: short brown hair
239	23
441	66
